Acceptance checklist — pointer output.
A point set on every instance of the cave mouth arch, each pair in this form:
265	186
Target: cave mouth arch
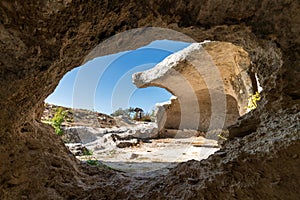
35	164
88	138
204	93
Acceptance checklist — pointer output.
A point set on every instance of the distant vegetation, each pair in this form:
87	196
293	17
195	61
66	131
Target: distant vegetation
131	114
124	112
145	118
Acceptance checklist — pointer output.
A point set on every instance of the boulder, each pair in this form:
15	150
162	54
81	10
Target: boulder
80	134
211	82
142	132
147	130
77	149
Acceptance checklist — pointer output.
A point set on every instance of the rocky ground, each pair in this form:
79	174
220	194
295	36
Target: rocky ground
79	117
128	146
148	156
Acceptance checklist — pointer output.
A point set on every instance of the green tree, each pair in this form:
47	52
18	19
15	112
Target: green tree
127	112
130	111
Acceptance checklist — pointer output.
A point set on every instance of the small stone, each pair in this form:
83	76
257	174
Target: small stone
127	143
220	153
133	156
295	156
192	180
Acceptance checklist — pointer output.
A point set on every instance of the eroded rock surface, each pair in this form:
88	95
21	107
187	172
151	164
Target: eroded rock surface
78	117
43	40
211	81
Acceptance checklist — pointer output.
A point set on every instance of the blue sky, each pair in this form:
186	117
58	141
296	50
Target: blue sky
104	84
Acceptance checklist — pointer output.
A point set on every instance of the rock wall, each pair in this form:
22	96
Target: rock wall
211	81
41	41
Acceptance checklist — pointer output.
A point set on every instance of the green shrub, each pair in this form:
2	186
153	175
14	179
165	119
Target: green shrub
87	152
57	120
252	101
93	162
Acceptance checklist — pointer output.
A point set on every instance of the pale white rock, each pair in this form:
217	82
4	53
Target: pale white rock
142	78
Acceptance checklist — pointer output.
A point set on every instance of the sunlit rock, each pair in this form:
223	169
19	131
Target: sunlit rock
211	82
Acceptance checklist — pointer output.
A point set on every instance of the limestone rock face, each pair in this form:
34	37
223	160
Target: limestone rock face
40	41
211	81
80	134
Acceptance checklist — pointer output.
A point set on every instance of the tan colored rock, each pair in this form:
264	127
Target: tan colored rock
211	82
40	41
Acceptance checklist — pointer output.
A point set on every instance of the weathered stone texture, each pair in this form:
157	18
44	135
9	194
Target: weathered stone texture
211	81
40	41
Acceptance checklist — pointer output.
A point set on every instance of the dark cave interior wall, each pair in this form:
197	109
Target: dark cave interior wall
40	41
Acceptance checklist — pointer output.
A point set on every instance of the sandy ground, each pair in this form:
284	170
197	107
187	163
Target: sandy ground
157	154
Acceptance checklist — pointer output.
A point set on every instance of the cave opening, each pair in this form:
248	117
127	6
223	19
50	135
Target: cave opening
37	49
91	94
209	81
